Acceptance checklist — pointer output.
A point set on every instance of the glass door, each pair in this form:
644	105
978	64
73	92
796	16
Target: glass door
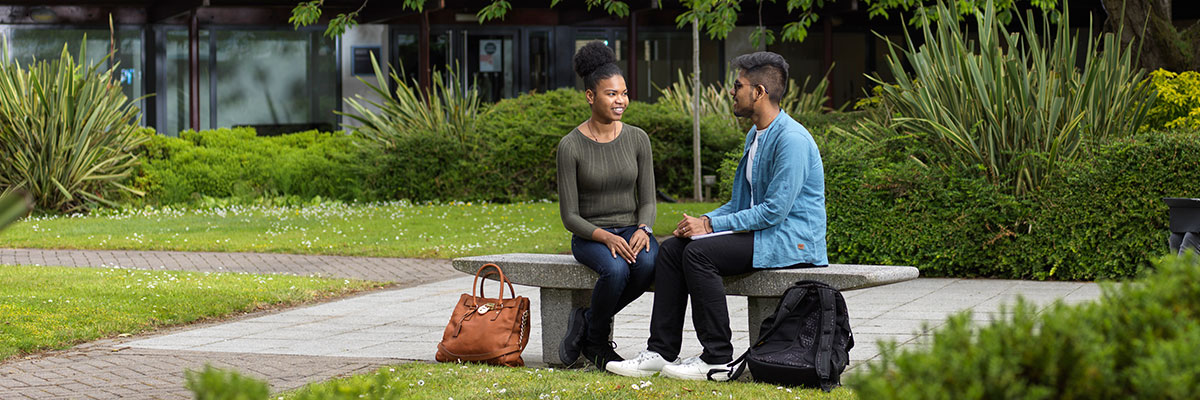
490	65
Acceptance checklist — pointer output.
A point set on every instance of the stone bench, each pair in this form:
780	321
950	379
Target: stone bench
566	284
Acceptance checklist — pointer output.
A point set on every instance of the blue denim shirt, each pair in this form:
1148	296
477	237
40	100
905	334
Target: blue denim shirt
789	219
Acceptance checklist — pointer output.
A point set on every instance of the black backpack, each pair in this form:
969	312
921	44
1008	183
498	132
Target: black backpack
806	342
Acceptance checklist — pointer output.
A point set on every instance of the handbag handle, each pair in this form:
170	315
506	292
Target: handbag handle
477	288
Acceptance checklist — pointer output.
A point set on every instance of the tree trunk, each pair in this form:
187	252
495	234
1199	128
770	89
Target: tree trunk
1147	23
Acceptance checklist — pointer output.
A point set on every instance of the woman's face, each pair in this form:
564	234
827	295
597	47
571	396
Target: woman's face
609	98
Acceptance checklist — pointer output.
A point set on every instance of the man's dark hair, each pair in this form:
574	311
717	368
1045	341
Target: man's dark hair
767	69
595	62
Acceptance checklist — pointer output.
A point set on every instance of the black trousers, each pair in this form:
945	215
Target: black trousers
694	267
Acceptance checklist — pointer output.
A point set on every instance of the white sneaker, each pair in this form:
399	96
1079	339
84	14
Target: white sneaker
646	363
696	369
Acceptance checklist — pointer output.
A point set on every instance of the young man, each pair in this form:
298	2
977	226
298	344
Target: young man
776	214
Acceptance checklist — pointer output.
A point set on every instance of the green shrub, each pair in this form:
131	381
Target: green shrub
1137	341
67	133
236	163
671	140
1103	215
1178	101
219	384
511	154
1100	216
448	108
1014	103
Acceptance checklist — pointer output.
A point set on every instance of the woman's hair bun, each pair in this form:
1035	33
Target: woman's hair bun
591	57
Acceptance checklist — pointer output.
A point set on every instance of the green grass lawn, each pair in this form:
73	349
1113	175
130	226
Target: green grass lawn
470	381
55	307
394	229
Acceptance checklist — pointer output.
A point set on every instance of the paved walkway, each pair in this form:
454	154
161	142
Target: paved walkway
355	335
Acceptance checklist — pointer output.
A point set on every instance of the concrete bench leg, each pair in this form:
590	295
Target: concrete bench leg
759	308
556	312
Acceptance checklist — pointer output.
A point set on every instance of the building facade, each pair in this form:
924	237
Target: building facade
223	63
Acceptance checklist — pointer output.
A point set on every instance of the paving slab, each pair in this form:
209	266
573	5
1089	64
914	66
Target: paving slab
355	335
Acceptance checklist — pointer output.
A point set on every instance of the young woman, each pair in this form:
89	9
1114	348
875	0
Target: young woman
606	198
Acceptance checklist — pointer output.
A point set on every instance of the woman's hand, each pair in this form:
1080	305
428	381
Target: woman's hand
640	241
616	244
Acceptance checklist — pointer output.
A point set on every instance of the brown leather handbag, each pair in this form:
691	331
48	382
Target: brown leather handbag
491	331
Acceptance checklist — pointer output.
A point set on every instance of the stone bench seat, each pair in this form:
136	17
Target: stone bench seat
565	284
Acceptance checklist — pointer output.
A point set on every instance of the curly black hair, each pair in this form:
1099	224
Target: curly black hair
594	62
767	69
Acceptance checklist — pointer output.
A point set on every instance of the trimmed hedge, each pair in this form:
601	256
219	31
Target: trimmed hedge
1138	341
511	155
236	163
1098	217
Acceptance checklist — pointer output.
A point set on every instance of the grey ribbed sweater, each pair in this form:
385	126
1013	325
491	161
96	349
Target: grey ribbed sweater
605	185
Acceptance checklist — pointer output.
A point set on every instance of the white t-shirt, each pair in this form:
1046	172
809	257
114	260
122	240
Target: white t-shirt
750	162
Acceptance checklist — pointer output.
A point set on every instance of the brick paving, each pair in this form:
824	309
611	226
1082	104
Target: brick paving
108	369
404	271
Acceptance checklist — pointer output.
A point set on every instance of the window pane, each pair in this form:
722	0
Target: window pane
176	115
28	44
283	78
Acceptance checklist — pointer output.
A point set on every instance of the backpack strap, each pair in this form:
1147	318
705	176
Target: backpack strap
740	362
825	338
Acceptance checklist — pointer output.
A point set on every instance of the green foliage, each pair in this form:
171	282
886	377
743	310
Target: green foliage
510	156
236	163
448	108
1103	215
218	384
717	102
13	206
1136	342
309	12
1013	103
1178	102
718	17
67	133
671	141
1100	216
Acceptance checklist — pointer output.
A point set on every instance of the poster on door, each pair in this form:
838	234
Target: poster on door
490	57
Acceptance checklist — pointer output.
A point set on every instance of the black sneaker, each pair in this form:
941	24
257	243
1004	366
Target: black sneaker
568	351
600	354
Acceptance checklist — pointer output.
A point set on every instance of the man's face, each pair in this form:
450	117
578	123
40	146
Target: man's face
744	96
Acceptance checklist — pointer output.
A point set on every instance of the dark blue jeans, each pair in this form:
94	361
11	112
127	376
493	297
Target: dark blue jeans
620	282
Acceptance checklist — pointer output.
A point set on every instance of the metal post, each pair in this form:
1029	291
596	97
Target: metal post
631	80
696	93
194	70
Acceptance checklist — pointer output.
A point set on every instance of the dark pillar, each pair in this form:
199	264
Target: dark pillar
423	73
194	70
827	62
631	77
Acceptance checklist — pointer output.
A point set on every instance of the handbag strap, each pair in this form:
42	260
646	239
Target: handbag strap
477	287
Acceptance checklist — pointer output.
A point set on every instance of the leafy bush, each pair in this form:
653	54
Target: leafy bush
1013	102
511	154
1136	342
1103	215
1178	101
236	163
448	108
67	133
219	384
715	100
1100	216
